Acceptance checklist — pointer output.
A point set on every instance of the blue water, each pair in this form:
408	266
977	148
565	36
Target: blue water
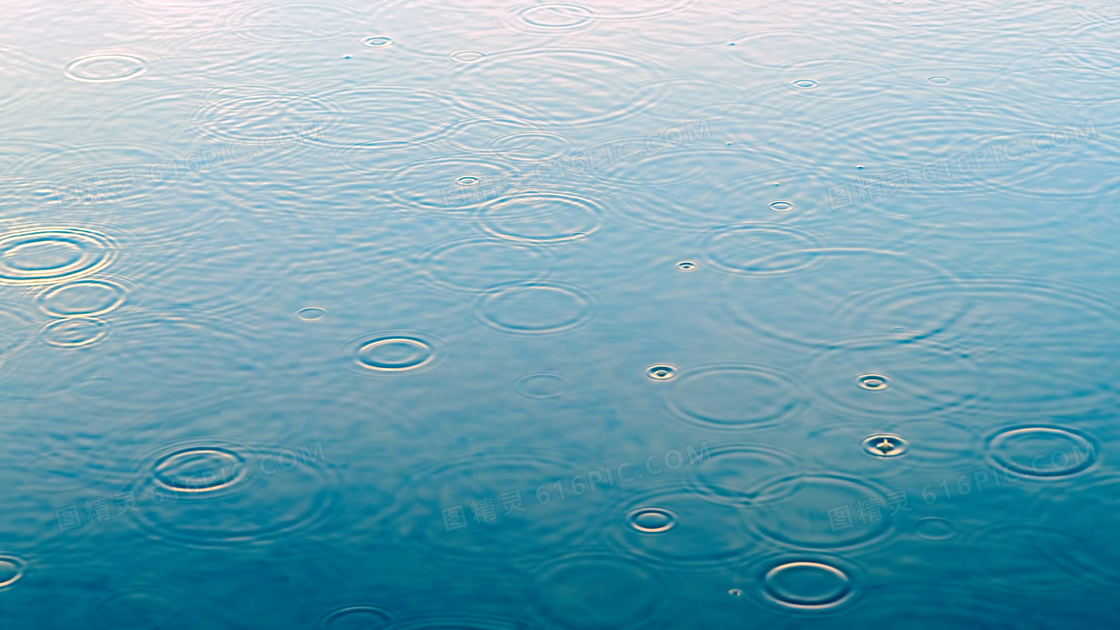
659	314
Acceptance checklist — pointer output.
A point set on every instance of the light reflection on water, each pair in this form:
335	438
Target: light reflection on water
558	314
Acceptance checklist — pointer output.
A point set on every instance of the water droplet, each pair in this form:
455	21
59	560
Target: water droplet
661	372
652	520
394	354
885	445
467	56
106	68
346	57
198	470
935	528
311	313
735	592
873	382
686	265
378	41
804	84
939	80
781	206
11	570
859	166
807	585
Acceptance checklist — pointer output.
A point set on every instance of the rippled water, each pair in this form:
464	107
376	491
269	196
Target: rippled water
660	314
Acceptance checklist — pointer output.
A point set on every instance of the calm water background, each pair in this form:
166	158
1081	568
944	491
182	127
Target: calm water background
653	314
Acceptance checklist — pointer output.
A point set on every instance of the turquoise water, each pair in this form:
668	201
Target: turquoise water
658	314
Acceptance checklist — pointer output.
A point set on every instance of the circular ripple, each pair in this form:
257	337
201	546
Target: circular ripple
83	298
215	495
378	41
674	528
534	308
108	68
807	585
611	88
824	306
467	56
142	607
294	22
744	474
802	518
355	618
450	185
686	266
661	372
541	385
536	217
873	382
475	264
75	332
885	445
652	520
394	353
52	255
935	528
311	313
781	206
1042	451
938	80
197	470
531	146
555	16
714	396
11	570
599	591
1043	349
804	84
925	377
750	248
248	113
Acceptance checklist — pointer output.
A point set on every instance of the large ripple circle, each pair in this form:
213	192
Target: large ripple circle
52	255
807	584
535	308
211	494
803	518
394	352
108	68
537	217
736	396
1042	451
